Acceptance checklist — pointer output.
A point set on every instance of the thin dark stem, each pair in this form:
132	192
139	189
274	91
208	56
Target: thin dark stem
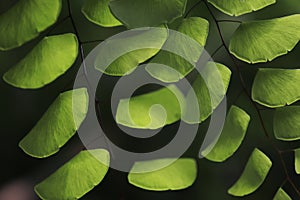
73	21
194	6
57	24
230	21
91	41
90	87
217	50
288	178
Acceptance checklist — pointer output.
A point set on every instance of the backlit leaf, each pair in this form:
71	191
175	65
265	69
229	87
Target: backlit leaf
58	124
265	40
179	175
297	161
195	29
77	177
25	20
281	195
98	12
152	110
239	7
254	174
276	87
287	123
51	58
232	135
147	13
210	88
119	56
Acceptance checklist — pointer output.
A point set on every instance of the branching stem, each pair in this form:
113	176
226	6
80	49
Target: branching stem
278	151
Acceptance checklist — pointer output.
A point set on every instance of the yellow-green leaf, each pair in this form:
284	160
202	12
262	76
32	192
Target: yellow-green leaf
152	110
195	30
58	124
25	20
254	174
51	58
98	12
231	137
238	7
147	13
77	177
276	87
179	175
265	40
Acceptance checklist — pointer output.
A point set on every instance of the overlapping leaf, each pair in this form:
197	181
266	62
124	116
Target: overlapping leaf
147	13
254	174
276	87
52	57
287	123
188	46
98	12
236	8
77	177
281	195
119	56
25	20
57	125
209	88
179	175
232	135
152	110
265	40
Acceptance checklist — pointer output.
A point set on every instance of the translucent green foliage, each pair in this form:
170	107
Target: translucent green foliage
287	123
179	175
51	58
77	177
126	53
297	161
276	87
58	124
232	135
236	8
147	13
254	174
196	29
210	88
98	12
281	195
265	40
152	110
25	20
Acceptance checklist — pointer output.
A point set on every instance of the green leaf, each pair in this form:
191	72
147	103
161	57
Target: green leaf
287	123
152	110
265	40
237	7
276	87
58	124
254	174
297	161
210	88
25	20
281	195
77	177
179	175
51	58
98	12
232	135
120	56
196	29
147	13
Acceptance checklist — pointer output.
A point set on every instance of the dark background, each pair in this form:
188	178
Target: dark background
21	109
